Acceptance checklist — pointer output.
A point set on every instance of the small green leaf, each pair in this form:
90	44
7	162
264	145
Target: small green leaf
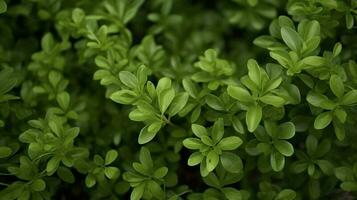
325	166
344	173
217	130
38	185
277	161
199	130
291	38
192	143
111	172
161	172
323	120
110	156
337	86
286	194
65	174
286	130
284	147
63	100
349	186
239	93
230	143
195	159
254	72
138	192
212	160
314	61
311	145
231	162
349	20
273	100
349	98
145	135
190	87
215	102
253	117
123	96
165	99
337	49
3	6
178	103
5	152
145	157
52	164
90	180
128	79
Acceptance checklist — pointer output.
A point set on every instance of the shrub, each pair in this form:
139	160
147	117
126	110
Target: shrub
169	99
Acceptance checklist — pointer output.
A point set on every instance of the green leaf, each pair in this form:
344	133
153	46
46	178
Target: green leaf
284	147
63	100
111	156
291	38
190	87
277	161
286	130
341	115
128	79
232	194
254	72
239	93
349	186
38	185
286	194
65	174
315	61
52	165
145	135
337	49
195	159
349	20
163	84
192	143
165	99
337	86
90	180
344	173
349	98
145	157
78	15
339	129
161	172
138	192
230	143
273	100
212	160
215	102
253	117
155	189
199	130
178	103
5	152
311	145
3	6
231	162
217	130
319	100
323	120
325	166
111	172
123	96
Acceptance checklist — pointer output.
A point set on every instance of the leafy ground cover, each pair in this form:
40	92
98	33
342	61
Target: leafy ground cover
178	99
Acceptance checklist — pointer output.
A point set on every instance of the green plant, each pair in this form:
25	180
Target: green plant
169	99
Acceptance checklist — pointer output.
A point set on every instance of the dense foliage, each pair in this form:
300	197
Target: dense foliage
178	99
